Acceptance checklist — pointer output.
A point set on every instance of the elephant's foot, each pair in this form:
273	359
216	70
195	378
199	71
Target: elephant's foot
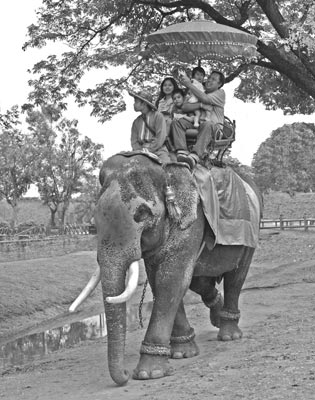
229	329
184	350
184	346
152	367
215	306
153	363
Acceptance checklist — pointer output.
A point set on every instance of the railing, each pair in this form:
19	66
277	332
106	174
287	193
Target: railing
288	223
43	231
74	229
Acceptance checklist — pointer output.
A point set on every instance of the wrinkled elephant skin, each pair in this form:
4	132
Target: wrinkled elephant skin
134	221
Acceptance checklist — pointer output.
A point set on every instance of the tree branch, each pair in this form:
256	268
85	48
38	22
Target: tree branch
198	4
237	72
99	31
288	65
272	12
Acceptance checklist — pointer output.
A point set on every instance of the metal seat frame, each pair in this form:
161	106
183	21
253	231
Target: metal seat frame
224	137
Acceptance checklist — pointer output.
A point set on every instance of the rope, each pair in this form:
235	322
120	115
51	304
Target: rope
141	303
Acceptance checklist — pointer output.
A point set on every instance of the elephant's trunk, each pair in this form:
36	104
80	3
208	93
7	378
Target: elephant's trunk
113	284
116	331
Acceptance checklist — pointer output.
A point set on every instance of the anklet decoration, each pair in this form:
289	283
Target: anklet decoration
184	338
155	349
215	301
232	315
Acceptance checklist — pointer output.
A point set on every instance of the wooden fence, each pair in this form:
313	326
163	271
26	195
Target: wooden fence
40	232
282	223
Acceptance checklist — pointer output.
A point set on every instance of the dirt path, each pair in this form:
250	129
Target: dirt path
274	360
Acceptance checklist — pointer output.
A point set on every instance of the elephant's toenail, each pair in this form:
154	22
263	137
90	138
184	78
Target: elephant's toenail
177	355
224	338
143	375
236	336
157	374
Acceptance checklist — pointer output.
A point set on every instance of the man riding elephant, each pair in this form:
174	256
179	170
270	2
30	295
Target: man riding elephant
212	100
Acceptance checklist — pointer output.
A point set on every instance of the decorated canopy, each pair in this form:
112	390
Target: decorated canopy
195	40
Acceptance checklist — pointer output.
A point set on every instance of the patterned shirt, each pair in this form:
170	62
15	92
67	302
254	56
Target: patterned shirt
165	106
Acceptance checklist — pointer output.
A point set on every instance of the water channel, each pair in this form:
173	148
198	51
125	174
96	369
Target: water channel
36	346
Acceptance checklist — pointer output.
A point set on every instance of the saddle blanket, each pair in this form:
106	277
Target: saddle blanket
230	205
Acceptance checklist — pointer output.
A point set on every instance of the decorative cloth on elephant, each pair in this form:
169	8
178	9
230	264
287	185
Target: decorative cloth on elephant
230	205
143	152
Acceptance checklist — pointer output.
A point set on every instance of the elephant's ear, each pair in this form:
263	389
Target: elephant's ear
181	196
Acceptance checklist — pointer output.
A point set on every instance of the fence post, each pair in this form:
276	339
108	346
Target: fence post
305	222
281	222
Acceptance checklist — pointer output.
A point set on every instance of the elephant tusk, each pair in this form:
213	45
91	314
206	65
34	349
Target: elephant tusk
131	286
91	285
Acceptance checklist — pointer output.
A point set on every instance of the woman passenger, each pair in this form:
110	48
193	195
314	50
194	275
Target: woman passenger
164	102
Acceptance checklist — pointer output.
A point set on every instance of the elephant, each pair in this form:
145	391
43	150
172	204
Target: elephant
153	212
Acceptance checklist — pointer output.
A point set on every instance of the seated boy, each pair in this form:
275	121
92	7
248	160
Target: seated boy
178	100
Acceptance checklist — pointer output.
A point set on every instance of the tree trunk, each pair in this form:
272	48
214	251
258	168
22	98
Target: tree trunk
14	219
53	217
63	212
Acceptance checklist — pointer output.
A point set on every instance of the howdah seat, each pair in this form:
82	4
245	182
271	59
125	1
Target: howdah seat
224	137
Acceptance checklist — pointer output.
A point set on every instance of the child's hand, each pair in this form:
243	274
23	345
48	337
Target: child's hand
207	107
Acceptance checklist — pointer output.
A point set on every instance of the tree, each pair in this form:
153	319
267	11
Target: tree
65	160
285	161
16	160
238	166
86	202
101	34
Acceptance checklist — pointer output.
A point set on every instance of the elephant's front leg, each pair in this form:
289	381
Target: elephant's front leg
170	284
233	282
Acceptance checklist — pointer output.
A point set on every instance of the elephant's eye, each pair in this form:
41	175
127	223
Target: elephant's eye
142	213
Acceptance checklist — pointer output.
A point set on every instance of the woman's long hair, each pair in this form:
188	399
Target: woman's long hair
161	94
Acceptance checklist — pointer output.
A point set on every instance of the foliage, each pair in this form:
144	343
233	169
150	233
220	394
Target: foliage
238	166
285	161
16	160
276	203
85	203
100	34
65	160
10	119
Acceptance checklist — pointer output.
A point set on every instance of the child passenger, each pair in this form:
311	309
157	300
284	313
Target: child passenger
178	100
198	76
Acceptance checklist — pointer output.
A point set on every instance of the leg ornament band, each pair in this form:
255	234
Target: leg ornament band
184	338
218	298
231	315
155	349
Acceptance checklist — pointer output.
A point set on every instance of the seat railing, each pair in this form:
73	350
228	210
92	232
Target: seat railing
224	137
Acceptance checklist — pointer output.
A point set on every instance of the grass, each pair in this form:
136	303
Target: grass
276	203
41	286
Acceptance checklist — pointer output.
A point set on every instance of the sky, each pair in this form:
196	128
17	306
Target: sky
253	123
